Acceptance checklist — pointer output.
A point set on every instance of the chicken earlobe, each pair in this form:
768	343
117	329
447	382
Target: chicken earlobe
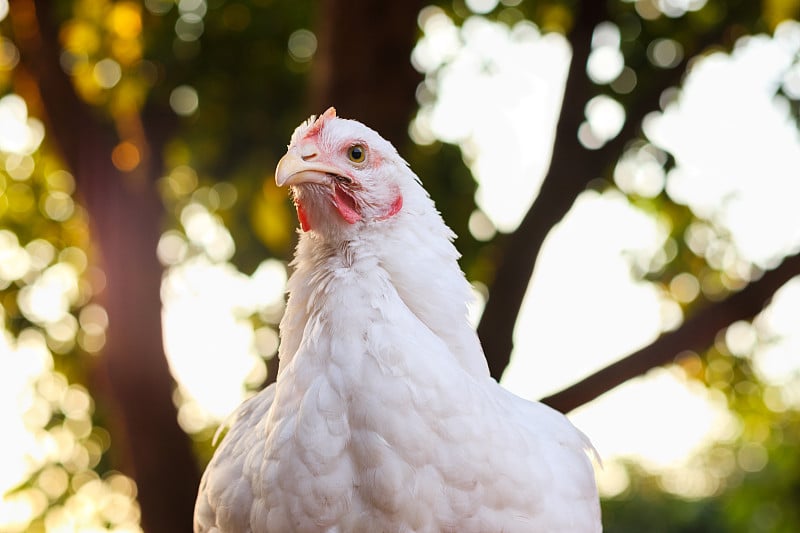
394	208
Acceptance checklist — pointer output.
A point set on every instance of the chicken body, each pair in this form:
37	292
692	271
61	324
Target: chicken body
384	417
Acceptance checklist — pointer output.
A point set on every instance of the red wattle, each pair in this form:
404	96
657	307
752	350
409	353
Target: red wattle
302	217
346	206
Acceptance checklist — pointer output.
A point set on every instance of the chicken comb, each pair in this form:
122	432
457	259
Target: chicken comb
319	122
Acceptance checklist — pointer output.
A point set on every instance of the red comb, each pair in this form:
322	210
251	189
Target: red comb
317	125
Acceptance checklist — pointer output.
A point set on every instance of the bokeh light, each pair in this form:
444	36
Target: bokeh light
184	100
481	7
18	134
189	26
209	338
625	82
9	55
47	477
715	140
107	73
665	53
126	156
302	45
605	62
640	171
219	323
678	8
604	120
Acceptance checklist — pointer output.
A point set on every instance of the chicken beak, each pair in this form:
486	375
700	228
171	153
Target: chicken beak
293	170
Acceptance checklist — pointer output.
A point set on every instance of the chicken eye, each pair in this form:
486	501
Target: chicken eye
357	153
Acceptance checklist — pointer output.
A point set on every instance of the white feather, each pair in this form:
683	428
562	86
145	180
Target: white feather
384	417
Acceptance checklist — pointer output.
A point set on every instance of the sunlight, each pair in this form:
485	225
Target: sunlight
208	337
21	363
604	120
18	133
777	357
48	299
207	305
63	454
587	256
667	419
605	61
517	76
738	168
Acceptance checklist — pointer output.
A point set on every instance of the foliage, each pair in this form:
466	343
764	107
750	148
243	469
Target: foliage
53	330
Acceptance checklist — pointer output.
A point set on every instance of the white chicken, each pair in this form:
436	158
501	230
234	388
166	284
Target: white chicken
383	417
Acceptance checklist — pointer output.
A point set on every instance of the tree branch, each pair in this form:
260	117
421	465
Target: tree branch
696	333
573	167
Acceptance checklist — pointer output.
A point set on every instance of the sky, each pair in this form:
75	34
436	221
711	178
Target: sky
583	309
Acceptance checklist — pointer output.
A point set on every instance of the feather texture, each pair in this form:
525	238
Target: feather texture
384	417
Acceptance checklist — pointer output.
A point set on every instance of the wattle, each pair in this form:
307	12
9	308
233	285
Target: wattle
346	205
302	216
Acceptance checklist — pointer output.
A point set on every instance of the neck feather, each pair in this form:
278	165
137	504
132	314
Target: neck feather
415	250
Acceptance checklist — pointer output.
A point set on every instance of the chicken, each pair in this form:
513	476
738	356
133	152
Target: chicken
383	417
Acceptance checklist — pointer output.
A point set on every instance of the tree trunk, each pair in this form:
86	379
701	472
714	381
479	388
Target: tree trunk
125	213
363	63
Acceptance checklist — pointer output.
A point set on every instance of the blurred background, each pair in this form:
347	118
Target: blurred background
623	175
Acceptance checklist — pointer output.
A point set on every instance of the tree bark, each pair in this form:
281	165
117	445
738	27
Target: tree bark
125	212
697	333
